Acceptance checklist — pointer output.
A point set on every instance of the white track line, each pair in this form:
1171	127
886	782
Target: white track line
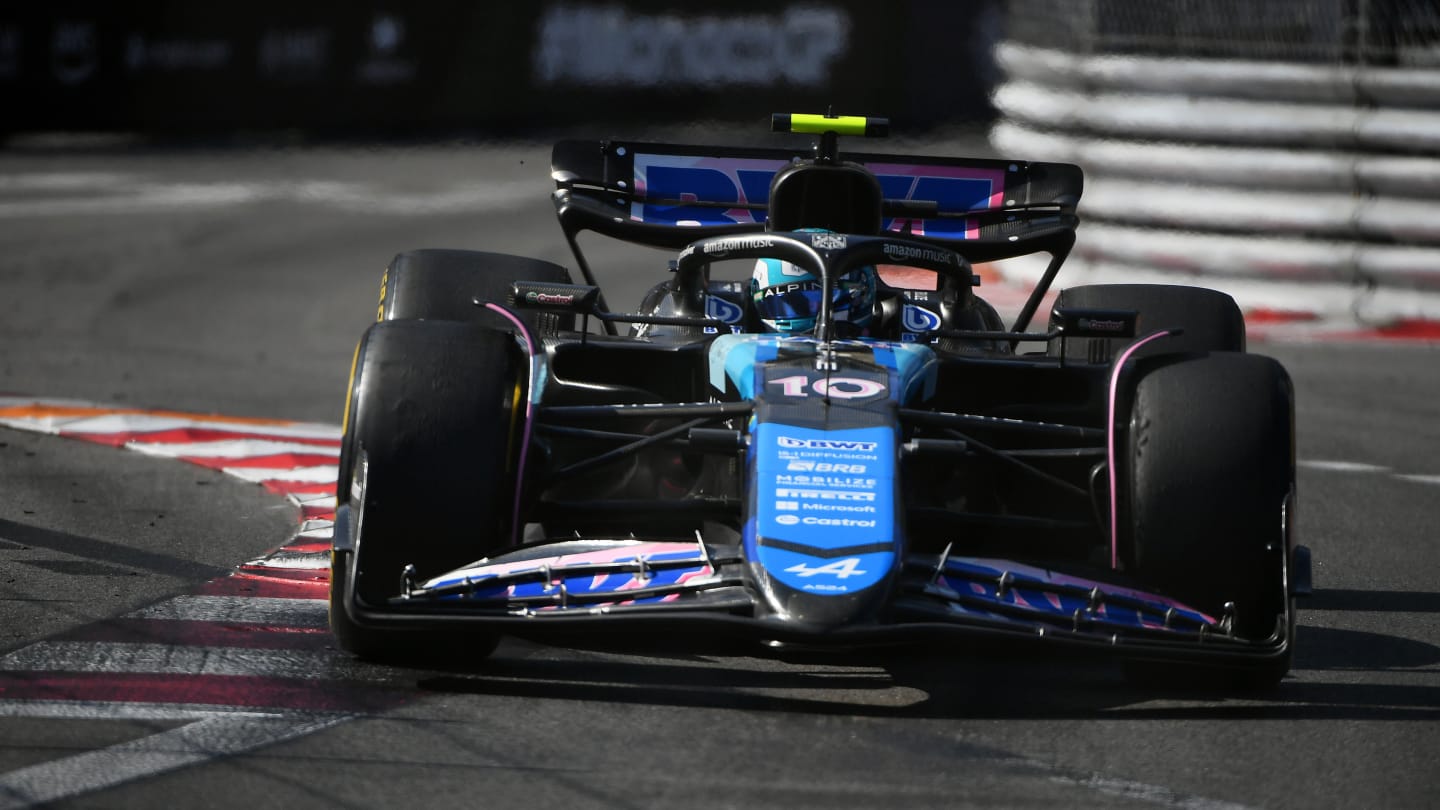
198	742
1343	466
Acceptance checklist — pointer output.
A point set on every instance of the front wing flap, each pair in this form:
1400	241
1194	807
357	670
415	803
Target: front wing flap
634	584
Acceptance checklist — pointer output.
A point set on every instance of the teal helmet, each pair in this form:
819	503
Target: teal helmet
787	297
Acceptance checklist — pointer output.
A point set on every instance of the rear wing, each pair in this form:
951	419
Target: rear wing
669	195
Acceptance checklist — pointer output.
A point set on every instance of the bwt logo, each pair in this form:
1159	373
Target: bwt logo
608	46
826	444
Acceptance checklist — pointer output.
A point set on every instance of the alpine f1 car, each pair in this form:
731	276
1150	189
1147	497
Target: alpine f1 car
841	444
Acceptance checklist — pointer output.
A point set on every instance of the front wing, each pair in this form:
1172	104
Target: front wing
640	586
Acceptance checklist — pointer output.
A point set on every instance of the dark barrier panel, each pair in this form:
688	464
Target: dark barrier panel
445	64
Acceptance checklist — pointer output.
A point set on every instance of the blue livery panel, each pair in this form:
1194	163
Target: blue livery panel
825	506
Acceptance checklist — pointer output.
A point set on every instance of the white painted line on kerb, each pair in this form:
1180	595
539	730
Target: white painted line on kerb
303	475
170	659
231	448
296	561
124	710
241	609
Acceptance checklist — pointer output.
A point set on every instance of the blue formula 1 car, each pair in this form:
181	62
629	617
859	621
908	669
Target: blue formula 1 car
839	444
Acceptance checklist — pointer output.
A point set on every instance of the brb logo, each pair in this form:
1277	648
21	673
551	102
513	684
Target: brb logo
746	181
723	310
919	319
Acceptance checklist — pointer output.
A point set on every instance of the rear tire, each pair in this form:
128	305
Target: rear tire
1211	468
432	479
1211	320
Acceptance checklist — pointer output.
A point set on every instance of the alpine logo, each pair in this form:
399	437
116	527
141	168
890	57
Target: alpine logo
826	444
919	319
840	569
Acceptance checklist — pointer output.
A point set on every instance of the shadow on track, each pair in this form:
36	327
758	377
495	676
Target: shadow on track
992	681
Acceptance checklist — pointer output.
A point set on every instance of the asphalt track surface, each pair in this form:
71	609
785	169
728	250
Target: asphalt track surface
237	280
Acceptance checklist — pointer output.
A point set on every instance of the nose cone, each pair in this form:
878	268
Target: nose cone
822	534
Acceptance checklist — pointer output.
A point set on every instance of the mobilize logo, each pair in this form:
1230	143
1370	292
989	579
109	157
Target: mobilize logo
827	481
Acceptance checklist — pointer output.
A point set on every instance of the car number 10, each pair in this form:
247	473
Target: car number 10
838	387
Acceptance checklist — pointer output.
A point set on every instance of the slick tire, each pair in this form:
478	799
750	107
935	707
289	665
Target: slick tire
1211	320
439	284
442	285
432	442
1211	474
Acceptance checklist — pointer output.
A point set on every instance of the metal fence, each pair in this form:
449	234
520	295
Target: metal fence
1287	152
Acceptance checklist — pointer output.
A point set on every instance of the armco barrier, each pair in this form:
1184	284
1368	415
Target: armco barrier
427	65
1309	186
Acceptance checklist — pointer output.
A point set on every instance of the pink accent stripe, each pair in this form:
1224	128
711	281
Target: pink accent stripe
1110	427
222	690
529	415
202	634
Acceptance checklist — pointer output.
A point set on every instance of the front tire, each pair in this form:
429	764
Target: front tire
1211	474
432	479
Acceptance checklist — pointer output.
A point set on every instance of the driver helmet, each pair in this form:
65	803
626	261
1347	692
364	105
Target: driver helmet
787	297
